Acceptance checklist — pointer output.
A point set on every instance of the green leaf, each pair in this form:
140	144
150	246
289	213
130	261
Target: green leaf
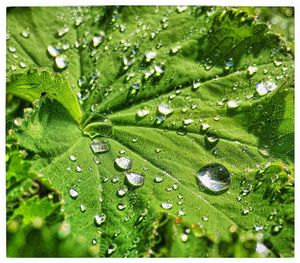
209	64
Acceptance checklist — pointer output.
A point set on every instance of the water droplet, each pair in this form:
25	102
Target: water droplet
157	150
61	62
184	237
187	121
166	205
262	250
251	70
181	8
160	119
205	218
158	179
150	55
175	49
22	64
196	85
97	160
204	126
72	158
262	88
62	31
73	193
94	241
53	52
134	140
12	49
123	163
25	34
115	179
264	151
122	151
78	20
277	63
245	211
78	169
18	121
164	109
214	177
142	113
233	104
276	229
99	219
111	249
82	208
100	145
122	191
135	179
158	70
98	39
121	206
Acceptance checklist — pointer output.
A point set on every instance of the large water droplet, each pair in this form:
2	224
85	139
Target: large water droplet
100	145
214	178
100	219
123	163
135	179
233	104
53	52
262	88
73	193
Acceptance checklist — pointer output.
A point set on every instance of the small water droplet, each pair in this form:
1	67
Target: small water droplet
121	206
72	158
204	126
181	8
78	20
135	179
196	85
276	229
187	121
61	62
245	211
232	104
53	52
98	39
73	193
251	70
100	145
164	109
12	49
123	163
184	237
94	241
78	169
82	208
167	205
122	191
214	177
22	64
25	34
142	113
175	49
205	218
111	249
158	179
134	140
97	160
99	219
157	150
62	31
150	55
18	121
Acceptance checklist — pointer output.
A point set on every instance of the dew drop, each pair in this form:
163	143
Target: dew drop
61	62
25	34
100	145
123	163
262	88
72	158
82	208
78	169
12	49
232	104
18	121
205	218
184	237
122	191
181	8
135	179
73	193
98	39
166	205
158	179
111	249
264	151
142	113
214	177
99	219
251	70
53	52
164	109
97	160
62	31
187	121
204	126
121	206
150	55
196	85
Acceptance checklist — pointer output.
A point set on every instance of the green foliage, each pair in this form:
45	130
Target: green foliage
217	89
